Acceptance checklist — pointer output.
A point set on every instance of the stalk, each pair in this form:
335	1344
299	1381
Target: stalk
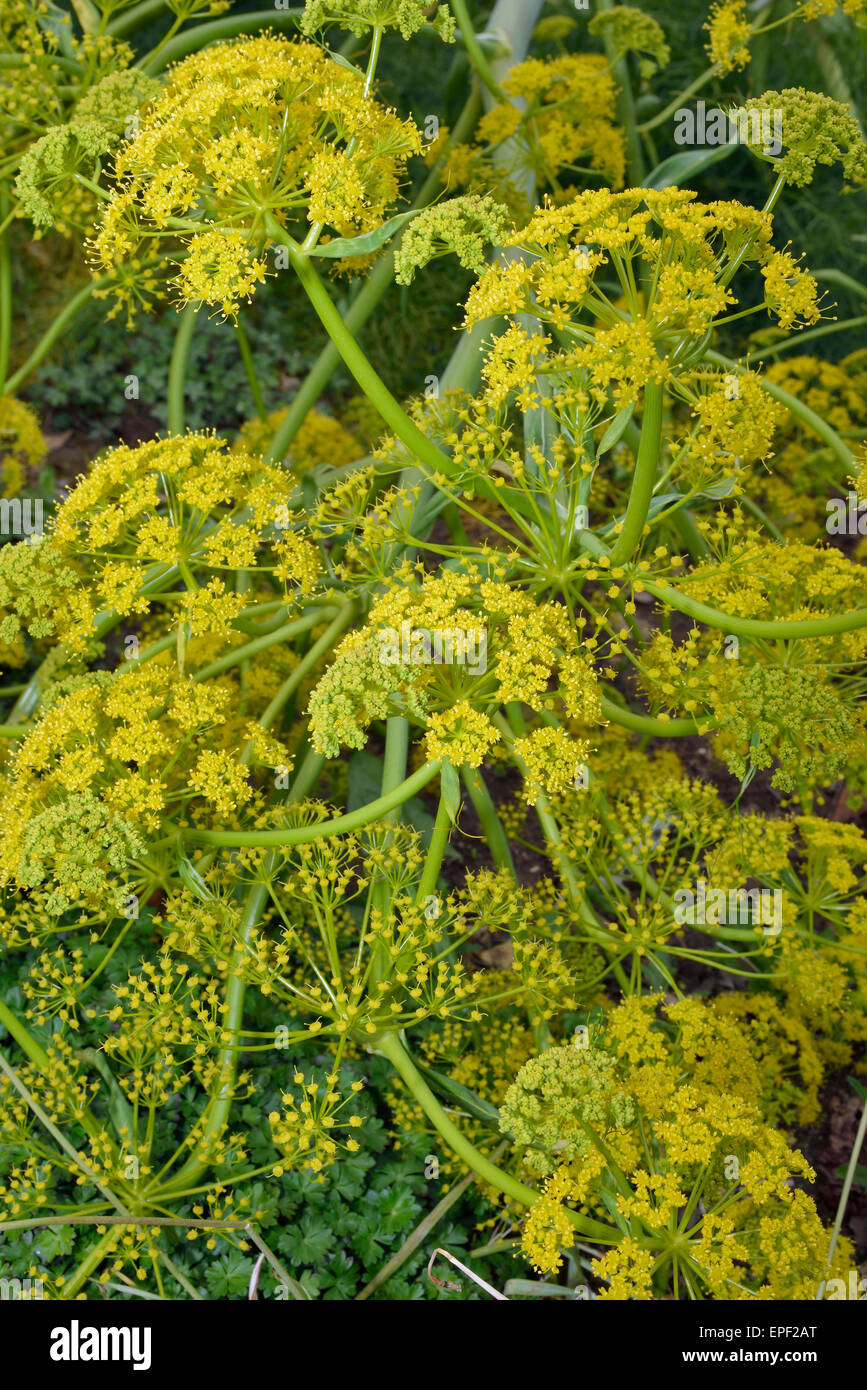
391	1047
437	848
5	292
477	55
770	628
178	368
226	28
339	825
644	477
217	1112
359	311
483	805
53	332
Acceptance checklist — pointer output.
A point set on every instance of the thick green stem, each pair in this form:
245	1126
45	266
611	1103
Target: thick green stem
368	379
339	825
433	863
178	368
644	477
391	1047
773	629
362	306
261	644
5	293
477	55
228	27
645	723
495	836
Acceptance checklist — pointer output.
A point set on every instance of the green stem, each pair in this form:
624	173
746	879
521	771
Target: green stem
644	477
226	28
217	1113
178	368
433	863
135	18
368	379
261	644
391	1047
495	836
339	825
5	293
476	53
758	627
645	723
362	306
49	338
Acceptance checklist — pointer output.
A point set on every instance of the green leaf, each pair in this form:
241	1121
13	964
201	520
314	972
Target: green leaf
615	429
88	15
192	879
363	245
468	1100
530	1288
678	168
450	785
119	1107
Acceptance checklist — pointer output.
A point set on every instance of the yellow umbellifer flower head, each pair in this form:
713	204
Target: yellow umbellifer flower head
450	652
729	31
21	443
559	112
244	130
186	499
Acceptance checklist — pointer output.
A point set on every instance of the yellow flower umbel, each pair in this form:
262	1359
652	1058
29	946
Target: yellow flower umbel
661	1121
244	130
729	30
559	112
449	653
22	444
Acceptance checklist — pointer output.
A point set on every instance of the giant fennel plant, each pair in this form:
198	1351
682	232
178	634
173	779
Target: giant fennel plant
626	521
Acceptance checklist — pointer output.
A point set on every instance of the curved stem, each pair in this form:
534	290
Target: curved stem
495	836
438	844
391	1047
758	627
645	723
5	293
217	29
49	338
339	825
368	379
375	286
